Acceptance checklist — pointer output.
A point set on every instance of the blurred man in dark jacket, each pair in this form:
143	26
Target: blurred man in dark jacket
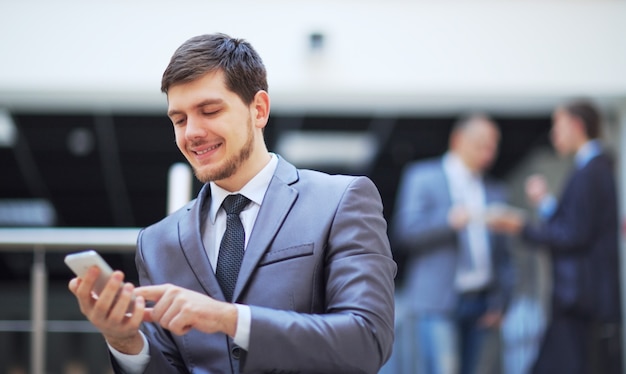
581	232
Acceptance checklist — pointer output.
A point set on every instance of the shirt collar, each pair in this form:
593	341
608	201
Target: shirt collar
254	190
455	165
588	151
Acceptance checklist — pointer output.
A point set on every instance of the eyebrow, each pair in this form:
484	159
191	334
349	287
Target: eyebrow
174	112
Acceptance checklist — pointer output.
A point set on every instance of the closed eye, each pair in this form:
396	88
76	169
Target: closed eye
212	113
178	121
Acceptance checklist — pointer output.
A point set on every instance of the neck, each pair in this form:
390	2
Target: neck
580	143
464	162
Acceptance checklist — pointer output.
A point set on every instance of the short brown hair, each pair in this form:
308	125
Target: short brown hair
243	68
588	114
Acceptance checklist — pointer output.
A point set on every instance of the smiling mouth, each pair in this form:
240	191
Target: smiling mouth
201	152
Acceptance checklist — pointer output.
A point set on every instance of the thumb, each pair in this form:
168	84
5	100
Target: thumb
73	284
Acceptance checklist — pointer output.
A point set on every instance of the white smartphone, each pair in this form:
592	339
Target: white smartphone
80	262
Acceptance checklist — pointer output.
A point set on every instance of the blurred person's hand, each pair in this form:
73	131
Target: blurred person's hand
536	189
491	319
505	219
458	217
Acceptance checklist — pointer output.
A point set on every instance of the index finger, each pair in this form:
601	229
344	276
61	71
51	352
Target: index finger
151	293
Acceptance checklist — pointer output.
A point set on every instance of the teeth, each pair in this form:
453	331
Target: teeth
207	150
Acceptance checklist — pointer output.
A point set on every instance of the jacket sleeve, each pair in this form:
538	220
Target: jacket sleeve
571	227
421	212
354	334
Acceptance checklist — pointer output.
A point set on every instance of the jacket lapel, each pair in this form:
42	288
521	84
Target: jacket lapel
190	231
443	182
278	200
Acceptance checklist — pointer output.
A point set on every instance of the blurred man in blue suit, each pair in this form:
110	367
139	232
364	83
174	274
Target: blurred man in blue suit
459	276
581	232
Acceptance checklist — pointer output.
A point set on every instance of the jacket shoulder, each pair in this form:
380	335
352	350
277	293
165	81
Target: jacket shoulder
175	216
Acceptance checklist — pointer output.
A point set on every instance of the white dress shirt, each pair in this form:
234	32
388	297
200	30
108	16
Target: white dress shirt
212	233
467	189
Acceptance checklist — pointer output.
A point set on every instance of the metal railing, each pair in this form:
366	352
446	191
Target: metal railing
43	240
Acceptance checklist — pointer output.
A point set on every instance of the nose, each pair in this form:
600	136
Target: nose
194	128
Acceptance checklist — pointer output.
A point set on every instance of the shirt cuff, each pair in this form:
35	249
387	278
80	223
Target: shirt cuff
132	364
244	320
547	206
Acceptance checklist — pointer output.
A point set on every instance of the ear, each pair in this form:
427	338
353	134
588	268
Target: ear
454	139
261	108
578	128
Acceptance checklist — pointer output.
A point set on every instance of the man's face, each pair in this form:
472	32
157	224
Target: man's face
563	133
479	145
213	127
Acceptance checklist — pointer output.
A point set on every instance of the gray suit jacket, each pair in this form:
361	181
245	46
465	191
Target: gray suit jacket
420	227
317	273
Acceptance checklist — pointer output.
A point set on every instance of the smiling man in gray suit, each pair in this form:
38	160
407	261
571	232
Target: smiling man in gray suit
314	289
458	274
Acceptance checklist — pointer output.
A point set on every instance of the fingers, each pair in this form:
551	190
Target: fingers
458	217
124	301
81	288
73	285
172	309
536	188
147	313
156	295
138	312
152	293
85	284
179	325
109	311
106	301
110	291
179	310
174	315
167	305
490	319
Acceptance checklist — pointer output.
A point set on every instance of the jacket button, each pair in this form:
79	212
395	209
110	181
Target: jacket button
235	352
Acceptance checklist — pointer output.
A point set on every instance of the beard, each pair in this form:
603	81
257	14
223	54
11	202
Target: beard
229	166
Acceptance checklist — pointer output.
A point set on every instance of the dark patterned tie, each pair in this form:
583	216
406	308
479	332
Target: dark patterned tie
231	248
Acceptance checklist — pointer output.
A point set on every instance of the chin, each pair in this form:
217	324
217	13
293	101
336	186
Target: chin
563	152
206	175
203	175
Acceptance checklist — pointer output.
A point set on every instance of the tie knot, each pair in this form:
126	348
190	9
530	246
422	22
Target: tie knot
234	204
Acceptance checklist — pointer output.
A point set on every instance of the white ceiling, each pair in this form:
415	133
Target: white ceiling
377	57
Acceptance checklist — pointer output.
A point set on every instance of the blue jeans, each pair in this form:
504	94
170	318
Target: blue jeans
472	335
451	343
436	345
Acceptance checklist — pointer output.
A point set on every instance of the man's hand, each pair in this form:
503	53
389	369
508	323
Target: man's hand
458	217
491	319
506	220
536	188
180	310
108	312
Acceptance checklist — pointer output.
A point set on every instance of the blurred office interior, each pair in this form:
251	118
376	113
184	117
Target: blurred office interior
356	87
